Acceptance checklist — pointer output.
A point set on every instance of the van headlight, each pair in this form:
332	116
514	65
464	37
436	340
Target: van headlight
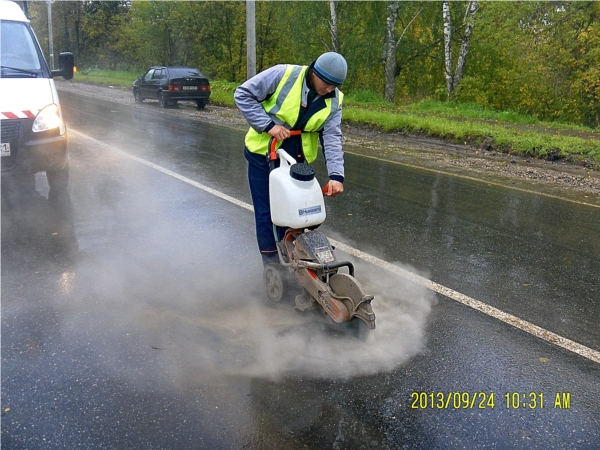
47	119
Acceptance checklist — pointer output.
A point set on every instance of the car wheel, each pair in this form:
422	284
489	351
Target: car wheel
58	180
137	97
162	100
201	104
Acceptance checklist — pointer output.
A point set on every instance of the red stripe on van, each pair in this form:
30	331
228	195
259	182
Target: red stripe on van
9	115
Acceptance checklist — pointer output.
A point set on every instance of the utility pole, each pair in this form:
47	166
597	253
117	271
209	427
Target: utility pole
50	44
250	39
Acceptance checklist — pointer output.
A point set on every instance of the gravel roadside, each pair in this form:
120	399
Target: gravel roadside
557	178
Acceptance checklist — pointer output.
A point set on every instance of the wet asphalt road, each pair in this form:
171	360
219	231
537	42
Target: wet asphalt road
133	316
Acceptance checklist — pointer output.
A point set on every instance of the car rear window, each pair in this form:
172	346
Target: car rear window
181	72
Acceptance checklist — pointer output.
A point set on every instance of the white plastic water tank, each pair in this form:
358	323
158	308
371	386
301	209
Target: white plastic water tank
295	195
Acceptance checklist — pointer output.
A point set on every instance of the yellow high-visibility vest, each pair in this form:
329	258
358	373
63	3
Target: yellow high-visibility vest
283	107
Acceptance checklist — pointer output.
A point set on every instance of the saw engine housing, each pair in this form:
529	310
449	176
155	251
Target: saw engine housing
311	257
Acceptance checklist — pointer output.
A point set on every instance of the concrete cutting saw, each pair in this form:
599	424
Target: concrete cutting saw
308	270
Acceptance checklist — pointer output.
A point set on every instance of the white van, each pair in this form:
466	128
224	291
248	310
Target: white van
33	136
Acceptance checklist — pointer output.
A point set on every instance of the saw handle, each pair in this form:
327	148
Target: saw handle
272	153
339	264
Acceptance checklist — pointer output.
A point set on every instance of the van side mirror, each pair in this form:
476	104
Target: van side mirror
66	62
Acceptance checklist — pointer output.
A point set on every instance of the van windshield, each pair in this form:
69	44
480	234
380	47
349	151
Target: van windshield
18	55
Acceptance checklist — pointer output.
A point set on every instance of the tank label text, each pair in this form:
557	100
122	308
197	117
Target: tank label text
309	211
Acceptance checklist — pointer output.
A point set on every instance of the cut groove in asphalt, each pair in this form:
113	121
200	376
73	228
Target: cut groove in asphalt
496	313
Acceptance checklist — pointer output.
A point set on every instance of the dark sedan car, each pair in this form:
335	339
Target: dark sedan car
170	85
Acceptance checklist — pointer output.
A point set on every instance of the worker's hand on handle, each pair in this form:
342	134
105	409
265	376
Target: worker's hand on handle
280	133
333	188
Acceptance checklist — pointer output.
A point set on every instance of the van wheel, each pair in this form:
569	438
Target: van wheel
58	180
162	100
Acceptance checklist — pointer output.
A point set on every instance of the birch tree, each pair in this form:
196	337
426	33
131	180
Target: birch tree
390	64
448	48
333	26
453	78
389	55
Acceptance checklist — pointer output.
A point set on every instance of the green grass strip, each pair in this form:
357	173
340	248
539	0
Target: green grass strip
510	140
107	77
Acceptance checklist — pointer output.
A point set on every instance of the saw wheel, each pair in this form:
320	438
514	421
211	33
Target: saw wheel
275	282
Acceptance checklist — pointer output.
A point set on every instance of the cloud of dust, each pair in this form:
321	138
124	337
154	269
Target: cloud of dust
308	347
188	298
220	322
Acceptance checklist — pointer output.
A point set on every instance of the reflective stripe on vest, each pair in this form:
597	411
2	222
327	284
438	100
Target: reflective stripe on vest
283	107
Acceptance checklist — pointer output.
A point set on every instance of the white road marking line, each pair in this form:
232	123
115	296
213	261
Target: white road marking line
212	191
496	313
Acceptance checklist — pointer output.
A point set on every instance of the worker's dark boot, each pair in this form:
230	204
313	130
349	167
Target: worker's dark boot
270	258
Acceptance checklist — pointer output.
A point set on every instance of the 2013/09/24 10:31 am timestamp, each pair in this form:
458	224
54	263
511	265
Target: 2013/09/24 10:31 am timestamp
485	400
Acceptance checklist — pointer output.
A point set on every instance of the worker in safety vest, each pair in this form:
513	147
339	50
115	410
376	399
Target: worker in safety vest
290	97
